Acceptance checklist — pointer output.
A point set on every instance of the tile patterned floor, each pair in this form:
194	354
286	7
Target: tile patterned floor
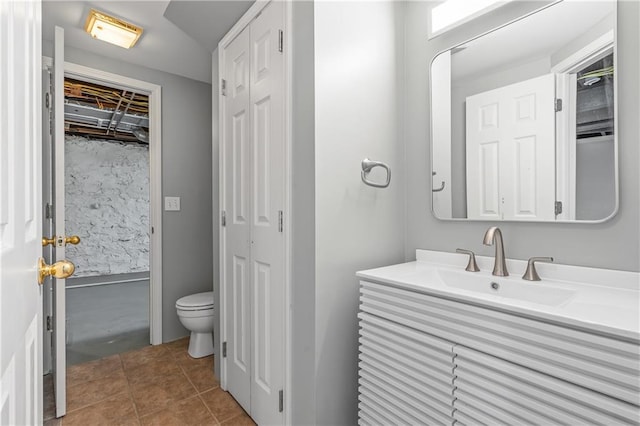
156	385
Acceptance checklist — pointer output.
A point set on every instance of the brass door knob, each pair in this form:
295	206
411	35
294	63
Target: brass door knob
74	239
61	269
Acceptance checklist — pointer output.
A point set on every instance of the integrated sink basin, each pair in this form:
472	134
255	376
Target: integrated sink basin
505	287
602	300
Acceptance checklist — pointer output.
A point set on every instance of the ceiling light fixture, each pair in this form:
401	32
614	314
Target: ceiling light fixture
111	29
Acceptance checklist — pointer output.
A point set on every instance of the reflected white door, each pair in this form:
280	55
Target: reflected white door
511	152
59	353
253	198
20	213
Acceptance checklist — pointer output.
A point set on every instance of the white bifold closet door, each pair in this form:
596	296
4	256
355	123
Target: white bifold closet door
253	255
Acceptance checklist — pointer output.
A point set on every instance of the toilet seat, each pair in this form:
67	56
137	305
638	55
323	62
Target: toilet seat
196	302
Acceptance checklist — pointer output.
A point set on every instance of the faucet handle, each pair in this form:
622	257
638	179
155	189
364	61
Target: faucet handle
531	274
472	266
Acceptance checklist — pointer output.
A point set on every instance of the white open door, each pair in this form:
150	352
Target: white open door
20	213
511	154
59	353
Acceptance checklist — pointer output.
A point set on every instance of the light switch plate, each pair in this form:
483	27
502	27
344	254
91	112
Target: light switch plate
172	204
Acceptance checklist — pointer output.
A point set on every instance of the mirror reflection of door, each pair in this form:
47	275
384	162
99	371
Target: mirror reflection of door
511	152
577	178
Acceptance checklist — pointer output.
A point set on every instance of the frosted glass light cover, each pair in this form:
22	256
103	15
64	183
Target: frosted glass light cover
112	30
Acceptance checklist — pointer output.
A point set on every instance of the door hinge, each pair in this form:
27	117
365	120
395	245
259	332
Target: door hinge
280	221
224	349
49	323
48	211
223	87
281	401
558	105
280	41
152	230
223	218
47	100
558	207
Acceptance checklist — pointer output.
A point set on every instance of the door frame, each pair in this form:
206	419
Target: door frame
154	92
237	28
566	90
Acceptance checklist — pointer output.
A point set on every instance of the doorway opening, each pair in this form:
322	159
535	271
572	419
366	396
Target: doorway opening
107	206
91	77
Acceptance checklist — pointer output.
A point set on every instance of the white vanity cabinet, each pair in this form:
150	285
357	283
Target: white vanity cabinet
406	376
427	359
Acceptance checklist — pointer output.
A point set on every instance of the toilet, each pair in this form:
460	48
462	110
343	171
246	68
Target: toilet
196	315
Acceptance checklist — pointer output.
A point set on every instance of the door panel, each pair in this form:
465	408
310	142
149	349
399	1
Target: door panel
20	213
236	234
241	301
530	184
47	224
483	159
253	197
59	285
489	195
267	103
511	152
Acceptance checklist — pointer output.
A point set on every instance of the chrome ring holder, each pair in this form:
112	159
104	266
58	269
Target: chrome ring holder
367	166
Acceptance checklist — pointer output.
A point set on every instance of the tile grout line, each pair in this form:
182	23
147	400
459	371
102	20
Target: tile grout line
198	393
139	418
173	358
133	402
209	409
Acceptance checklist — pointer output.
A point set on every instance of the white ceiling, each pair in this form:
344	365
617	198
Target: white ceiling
538	36
206	21
163	45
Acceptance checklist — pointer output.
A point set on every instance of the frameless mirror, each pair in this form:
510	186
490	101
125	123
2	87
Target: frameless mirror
523	119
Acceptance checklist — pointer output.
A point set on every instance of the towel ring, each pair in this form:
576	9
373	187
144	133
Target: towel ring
367	166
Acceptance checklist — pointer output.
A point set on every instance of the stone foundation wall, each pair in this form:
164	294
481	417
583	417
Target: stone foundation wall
107	206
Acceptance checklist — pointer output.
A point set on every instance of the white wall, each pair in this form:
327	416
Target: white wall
358	114
107	205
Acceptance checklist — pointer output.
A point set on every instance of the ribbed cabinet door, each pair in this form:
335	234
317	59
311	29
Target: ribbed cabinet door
492	391
586	359
405	376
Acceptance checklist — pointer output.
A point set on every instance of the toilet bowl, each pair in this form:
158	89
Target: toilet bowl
196	315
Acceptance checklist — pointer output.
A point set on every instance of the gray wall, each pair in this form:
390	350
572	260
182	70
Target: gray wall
215	150
186	172
303	309
595	162
613	244
358	114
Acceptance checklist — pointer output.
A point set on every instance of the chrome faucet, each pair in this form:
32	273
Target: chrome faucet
494	235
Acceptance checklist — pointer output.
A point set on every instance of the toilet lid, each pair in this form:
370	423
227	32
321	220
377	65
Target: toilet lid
197	300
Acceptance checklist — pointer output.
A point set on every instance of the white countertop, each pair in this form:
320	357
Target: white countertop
600	300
